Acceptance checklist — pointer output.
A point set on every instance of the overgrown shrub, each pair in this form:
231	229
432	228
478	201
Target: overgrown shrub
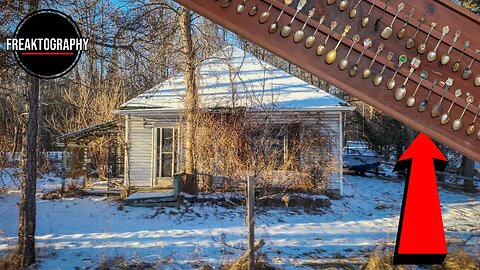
68	190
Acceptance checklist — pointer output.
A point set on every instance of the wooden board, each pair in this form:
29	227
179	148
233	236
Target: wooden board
442	11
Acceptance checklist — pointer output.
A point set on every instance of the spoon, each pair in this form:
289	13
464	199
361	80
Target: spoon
332	55
391	82
471	127
343	64
329	2
254	10
401	32
353	12
424	103
367	43
322	49
401	91
446	57
423	47
287	29
437	108
368	71
411	100
366	18
266	14
388	31
311	39
226	3
446	116
411	41
241	7
274	26
299	35
377	80
432	55
467	72
375	26
458	123
343	5
456	65
476	81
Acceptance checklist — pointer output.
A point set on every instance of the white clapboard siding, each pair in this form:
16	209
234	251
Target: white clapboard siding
141	141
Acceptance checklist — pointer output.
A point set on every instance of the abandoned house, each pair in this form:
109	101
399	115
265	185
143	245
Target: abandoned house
247	106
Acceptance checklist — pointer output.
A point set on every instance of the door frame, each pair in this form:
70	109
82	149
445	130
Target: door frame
175	148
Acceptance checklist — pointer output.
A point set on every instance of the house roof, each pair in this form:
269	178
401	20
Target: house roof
233	77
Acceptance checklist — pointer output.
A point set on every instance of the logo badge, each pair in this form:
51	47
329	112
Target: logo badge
47	44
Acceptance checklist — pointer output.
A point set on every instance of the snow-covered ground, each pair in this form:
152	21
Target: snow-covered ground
82	232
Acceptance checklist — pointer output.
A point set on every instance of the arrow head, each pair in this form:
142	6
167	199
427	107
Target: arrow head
422	148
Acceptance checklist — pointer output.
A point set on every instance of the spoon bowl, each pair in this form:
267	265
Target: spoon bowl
391	84
411	101
400	92
343	64
377	80
445	59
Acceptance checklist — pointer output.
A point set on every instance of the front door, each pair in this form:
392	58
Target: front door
164	153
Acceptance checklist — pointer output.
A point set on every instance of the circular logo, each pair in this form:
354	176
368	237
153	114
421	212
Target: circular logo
47	44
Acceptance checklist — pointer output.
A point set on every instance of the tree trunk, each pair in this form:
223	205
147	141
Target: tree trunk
26	225
468	167
191	98
27	205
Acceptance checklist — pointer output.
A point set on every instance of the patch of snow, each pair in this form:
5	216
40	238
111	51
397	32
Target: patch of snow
79	232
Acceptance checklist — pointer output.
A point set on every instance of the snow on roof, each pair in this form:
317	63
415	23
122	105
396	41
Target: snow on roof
233	77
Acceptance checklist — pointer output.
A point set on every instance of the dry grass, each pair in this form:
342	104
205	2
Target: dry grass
382	259
10	261
120	263
459	260
260	263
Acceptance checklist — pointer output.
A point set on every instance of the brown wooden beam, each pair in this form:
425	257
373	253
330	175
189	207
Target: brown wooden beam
442	11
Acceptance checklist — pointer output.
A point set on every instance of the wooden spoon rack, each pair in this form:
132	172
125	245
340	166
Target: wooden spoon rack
442	12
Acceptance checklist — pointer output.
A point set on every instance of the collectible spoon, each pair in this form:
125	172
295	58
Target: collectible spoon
353	12
368	71
343	64
446	57
299	35
476	81
411	100
266	14
432	55
458	123
377	80
241	7
367	43
424	103
254	10
322	49
456	65
332	55
366	18
423	47
467	72
274	26
471	127
411	41
401	32
226	3
437	108
446	116
388	31
377	22
287	29
343	5
311	39
391	82
401	91
331	1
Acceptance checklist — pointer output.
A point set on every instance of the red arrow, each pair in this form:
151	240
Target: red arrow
421	237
